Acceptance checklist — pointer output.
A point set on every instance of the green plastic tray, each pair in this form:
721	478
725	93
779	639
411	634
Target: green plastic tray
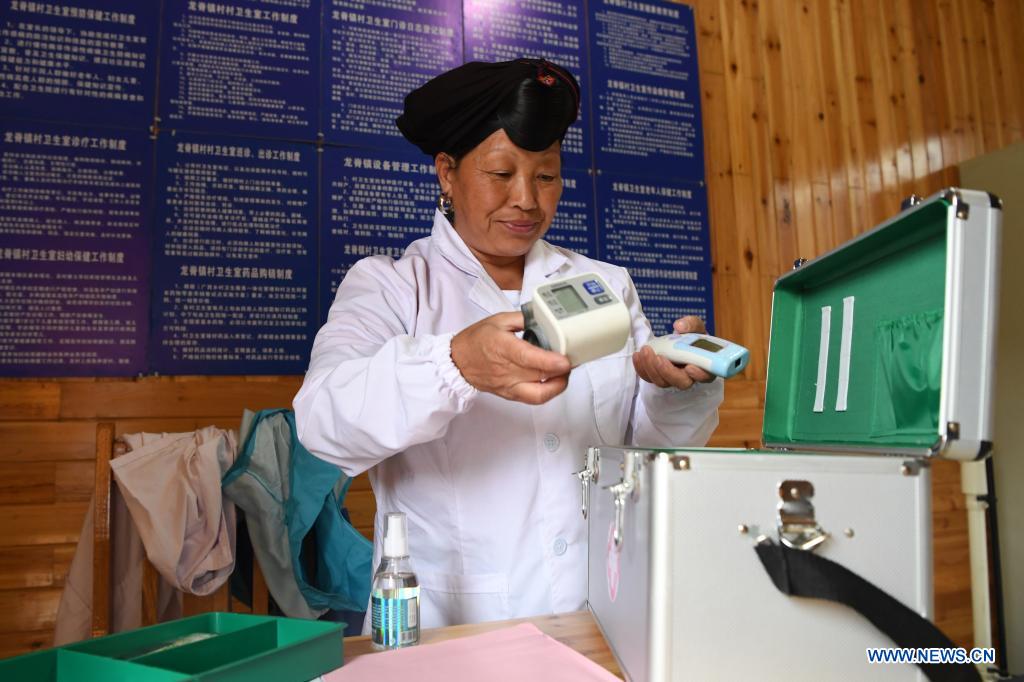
212	647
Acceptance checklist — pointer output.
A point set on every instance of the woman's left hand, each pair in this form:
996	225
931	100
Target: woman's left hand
660	371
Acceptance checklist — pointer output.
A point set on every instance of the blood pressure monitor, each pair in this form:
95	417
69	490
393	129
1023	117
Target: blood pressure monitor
712	354
578	316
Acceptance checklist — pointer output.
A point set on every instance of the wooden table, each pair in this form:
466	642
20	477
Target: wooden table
576	630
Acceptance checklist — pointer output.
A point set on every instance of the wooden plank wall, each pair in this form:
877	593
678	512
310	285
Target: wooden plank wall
47	453
819	117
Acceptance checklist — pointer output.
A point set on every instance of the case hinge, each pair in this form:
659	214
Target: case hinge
627	487
960	207
589	474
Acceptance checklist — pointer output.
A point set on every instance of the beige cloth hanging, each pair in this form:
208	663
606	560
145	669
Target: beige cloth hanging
188	457
74	613
171	485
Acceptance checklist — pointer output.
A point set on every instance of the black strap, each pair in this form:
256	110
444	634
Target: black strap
801	573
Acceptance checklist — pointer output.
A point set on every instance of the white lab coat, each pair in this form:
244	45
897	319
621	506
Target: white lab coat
495	529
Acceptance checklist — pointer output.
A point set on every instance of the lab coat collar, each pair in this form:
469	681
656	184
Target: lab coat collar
451	246
542	261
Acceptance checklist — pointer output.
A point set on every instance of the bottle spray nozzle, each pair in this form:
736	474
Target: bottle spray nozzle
396	543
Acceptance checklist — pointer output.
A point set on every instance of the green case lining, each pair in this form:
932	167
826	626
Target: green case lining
895	363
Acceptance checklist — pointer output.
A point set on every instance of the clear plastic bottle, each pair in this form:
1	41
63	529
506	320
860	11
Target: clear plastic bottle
395	594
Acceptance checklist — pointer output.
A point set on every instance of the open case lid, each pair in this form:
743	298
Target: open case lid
886	345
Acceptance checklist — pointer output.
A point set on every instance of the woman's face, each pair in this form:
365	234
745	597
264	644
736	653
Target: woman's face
504	196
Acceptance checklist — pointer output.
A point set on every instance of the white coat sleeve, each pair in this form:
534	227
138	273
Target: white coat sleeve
669	417
372	389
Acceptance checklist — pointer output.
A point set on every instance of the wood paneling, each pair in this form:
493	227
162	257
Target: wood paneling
46	441
29	400
47	463
15	643
174	397
950	555
40	524
45	482
28	610
34	566
218	601
361	508
819	116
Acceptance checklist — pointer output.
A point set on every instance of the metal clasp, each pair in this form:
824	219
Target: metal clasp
627	487
588	475
796	524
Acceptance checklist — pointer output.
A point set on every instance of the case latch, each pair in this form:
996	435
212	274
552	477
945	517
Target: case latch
796	524
627	487
591	470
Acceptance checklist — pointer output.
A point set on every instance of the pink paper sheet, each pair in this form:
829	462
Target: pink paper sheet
516	653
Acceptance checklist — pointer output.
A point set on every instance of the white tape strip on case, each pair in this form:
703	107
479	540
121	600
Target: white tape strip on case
845	351
826	330
844	354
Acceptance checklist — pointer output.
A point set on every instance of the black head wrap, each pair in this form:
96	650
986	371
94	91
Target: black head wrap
532	100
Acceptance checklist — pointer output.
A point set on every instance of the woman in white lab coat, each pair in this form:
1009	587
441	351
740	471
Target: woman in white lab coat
419	378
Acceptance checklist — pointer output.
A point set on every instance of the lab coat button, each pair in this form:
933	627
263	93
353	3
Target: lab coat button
551	442
560	546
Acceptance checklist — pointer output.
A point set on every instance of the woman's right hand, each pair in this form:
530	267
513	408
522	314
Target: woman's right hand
492	359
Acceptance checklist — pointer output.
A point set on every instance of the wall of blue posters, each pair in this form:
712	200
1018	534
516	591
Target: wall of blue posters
184	184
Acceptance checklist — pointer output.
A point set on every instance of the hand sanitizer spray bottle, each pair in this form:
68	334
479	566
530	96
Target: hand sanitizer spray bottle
395	596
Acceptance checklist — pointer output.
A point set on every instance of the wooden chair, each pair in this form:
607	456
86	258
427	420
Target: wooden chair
108	447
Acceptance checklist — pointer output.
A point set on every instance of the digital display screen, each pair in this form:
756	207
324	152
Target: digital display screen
569	299
707	345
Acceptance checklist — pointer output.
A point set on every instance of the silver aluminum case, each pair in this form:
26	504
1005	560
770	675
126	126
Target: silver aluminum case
695	603
969	329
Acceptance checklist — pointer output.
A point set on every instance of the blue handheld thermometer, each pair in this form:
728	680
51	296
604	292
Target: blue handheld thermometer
712	354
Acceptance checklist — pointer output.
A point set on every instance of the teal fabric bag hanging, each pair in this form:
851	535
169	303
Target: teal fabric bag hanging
311	497
344	556
258	484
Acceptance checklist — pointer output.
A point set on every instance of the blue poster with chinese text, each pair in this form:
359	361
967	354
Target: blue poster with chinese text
375	52
234	272
90	62
240	67
574	225
645	92
374	203
75	250
658	230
